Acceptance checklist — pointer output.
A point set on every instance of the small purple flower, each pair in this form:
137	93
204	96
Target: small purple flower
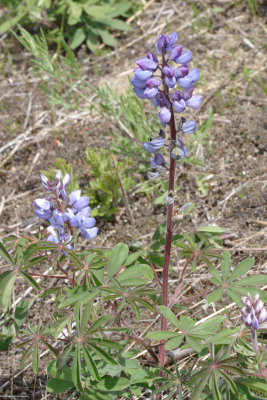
47	184
147	64
164	43
164	115
76	201
85	223
152	88
181	72
179	106
142	75
140	93
58	219
137	83
194	102
160	101
43	208
153	57
184	58
157	161
169	76
188	81
179	151
59	236
154	146
189	126
175	52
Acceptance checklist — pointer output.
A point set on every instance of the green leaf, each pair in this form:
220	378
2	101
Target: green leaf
53	371
7	290
103	354
116	24
57	385
97	12
5	341
211	325
60	325
201	385
84	296
107	38
75	12
119	9
216	276
241	269
90	364
170	316
78	38
101	322
117	257
20	313
76	369
161	335
5	255
226	336
35	359
92	41
174	343
134	271
211	229
29	279
34	261
26	355
195	344
64	357
5	26
215	296
252	280
226	264
112	384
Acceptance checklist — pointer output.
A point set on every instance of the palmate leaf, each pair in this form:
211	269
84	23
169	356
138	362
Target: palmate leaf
90	364
76	369
241	269
117	257
5	255
7	289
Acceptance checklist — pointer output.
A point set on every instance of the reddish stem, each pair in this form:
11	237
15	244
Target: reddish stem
169	231
180	283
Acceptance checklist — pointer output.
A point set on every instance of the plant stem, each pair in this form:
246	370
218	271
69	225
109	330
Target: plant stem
180	283
263	370
169	232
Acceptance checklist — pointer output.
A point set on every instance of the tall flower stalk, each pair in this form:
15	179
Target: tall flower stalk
162	91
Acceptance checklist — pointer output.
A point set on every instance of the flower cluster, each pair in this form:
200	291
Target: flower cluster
253	312
63	211
172	71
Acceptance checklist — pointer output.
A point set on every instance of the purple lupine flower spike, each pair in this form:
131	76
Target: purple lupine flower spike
253	313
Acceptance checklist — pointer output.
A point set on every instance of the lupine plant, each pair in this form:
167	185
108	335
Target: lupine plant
93	337
149	76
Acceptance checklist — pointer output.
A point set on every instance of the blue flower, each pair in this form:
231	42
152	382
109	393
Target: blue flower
85	223
154	145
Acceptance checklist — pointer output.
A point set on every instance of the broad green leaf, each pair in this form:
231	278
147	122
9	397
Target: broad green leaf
241	269
116	24
5	255
226	264
107	38
78	38
105	343
119	9
255	384
7	290
90	364
211	325
117	257
76	369
92	41
215	296
53	371
112	384
161	335
170	316
57	385
211	229
135	271
74	12
216	276
5	26
97	12
195	344
29	279
186	323
234	296
200	386
34	261
133	257
174	343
